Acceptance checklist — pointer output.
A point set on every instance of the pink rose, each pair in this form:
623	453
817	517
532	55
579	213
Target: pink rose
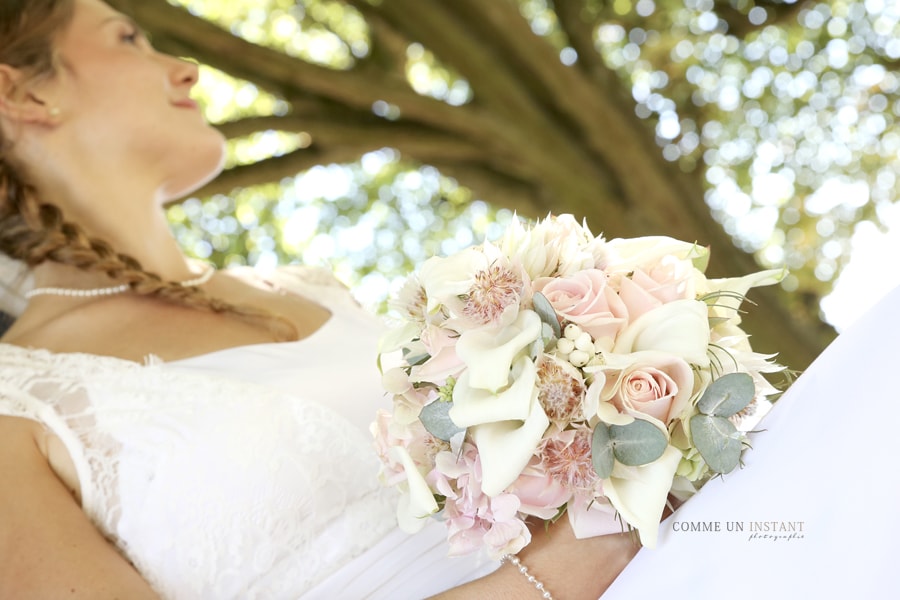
586	299
540	494
664	283
659	391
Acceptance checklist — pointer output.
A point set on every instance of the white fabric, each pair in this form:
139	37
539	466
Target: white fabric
15	280
827	457
245	473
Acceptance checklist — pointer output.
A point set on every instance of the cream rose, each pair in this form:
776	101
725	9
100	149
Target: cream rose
646	384
658	386
586	299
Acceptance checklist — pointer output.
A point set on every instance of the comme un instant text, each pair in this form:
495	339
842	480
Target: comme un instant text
738	526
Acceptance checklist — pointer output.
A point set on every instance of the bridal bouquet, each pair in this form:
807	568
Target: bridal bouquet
556	373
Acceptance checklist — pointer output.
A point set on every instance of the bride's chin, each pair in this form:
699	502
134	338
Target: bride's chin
191	176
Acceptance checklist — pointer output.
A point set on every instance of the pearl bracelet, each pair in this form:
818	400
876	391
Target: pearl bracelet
514	560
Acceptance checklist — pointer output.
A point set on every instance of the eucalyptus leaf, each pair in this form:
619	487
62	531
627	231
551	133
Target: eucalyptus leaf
436	419
548	334
718	442
727	395
602	452
638	443
415	359
546	342
545	311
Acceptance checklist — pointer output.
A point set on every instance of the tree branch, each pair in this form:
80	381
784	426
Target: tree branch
739	24
294	78
504	96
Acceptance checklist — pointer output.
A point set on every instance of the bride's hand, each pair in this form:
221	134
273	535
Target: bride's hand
568	567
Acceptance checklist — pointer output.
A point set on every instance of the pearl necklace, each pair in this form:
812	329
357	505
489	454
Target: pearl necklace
112	290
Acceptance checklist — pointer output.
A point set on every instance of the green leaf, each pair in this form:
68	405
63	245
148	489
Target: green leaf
638	443
415	359
545	311
602	451
718	441
436	419
727	395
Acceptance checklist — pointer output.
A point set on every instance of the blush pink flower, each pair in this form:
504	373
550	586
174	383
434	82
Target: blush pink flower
566	458
657	385
539	493
474	519
649	391
670	280
586	299
408	399
494	290
421	446
440	343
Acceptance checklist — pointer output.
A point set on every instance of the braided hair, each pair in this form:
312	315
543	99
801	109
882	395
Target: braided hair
33	231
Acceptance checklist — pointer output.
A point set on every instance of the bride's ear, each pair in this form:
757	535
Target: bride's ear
21	101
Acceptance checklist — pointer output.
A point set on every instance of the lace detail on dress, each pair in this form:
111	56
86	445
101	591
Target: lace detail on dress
215	487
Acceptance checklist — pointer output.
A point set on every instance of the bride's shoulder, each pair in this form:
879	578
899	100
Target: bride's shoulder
313	283
291	277
306	275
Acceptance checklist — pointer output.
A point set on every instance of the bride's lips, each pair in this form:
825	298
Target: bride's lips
187	103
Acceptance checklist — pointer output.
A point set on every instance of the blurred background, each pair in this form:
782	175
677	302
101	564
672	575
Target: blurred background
370	135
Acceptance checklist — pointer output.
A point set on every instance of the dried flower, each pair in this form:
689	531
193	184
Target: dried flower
495	289
560	390
566	457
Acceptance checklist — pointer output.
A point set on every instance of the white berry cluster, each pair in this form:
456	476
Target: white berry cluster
576	346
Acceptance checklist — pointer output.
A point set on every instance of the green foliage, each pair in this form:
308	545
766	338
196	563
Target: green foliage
794	123
325	32
436	419
789	112
638	443
716	438
547	314
727	395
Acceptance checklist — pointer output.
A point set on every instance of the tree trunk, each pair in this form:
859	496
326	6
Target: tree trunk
537	137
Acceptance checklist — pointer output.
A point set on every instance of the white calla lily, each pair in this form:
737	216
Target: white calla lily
726	306
596	406
680	327
474	406
417	501
628	254
639	493
489	353
506	447
446	278
395	339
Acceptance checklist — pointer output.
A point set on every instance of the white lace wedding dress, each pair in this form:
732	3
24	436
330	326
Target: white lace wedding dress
245	473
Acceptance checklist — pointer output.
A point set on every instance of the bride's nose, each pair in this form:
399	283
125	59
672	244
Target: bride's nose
182	72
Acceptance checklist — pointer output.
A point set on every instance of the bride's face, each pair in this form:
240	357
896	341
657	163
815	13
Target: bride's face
121	98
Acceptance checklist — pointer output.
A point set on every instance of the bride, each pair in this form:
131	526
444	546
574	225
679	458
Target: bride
168	431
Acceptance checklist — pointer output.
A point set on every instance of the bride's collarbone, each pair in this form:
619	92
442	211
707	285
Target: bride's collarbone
133	327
